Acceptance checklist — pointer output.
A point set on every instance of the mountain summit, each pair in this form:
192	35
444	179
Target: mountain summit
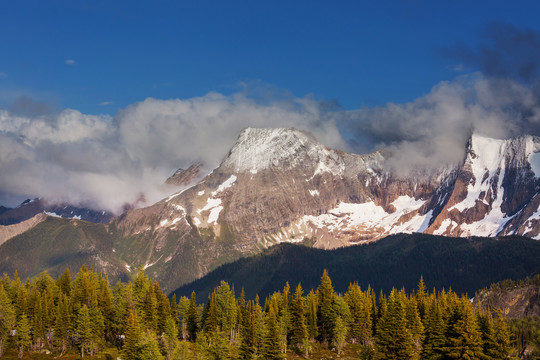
282	185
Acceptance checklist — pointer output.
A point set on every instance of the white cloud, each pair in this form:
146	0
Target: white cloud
105	103
433	129
70	62
108	162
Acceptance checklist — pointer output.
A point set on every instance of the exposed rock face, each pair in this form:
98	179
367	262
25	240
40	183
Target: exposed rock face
516	301
495	192
9	231
282	185
31	208
185	178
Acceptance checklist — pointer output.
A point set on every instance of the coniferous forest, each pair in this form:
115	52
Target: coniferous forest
85	316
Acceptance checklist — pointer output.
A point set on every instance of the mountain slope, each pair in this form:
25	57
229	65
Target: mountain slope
54	244
466	265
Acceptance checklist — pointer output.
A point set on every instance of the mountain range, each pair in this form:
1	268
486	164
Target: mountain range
283	186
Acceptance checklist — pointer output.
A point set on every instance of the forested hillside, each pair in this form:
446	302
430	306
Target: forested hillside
136	320
464	264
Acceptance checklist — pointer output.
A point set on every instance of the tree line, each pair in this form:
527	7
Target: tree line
86	314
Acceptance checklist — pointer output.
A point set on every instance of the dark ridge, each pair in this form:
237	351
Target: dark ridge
463	264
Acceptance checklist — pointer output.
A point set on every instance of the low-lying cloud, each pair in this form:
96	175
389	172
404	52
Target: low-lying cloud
106	162
432	130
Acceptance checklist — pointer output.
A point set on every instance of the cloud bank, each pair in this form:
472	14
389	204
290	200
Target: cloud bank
106	162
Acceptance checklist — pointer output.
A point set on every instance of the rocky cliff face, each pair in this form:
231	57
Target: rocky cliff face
282	185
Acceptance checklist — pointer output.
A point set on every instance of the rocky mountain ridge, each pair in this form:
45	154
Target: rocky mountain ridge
283	186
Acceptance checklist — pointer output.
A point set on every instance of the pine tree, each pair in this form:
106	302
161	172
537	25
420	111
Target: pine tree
148	348
340	334
435	339
258	324
420	298
7	318
325	310
246	348
63	322
192	319
414	323
133	337
502	339
83	329
272	339
150	320
22	335
211	321
170	338
299	329
463	336
64	282
311	315
393	339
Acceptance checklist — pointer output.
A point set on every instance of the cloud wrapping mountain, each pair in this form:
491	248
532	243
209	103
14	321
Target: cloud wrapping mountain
105	162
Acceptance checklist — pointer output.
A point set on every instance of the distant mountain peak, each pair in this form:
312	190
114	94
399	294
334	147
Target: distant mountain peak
257	149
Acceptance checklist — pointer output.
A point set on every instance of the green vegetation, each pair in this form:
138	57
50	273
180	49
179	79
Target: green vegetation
466	265
136	320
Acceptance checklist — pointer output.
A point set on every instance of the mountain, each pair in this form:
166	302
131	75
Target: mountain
283	186
54	244
184	178
31	207
464	264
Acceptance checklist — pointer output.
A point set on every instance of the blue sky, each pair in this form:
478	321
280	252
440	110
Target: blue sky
101	56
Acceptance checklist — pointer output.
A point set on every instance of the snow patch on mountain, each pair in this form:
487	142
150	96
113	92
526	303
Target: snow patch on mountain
371	218
227	184
534	160
214	206
486	158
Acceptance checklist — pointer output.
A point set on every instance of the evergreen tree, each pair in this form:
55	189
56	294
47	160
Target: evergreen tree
463	336
502	339
192	319
272	339
246	348
414	323
22	335
83	329
435	338
311	315
150	320
148	348
133	337
258	324
211	321
299	329
340	334
63	322
325	309
170	338
393	339
7	318
64	282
